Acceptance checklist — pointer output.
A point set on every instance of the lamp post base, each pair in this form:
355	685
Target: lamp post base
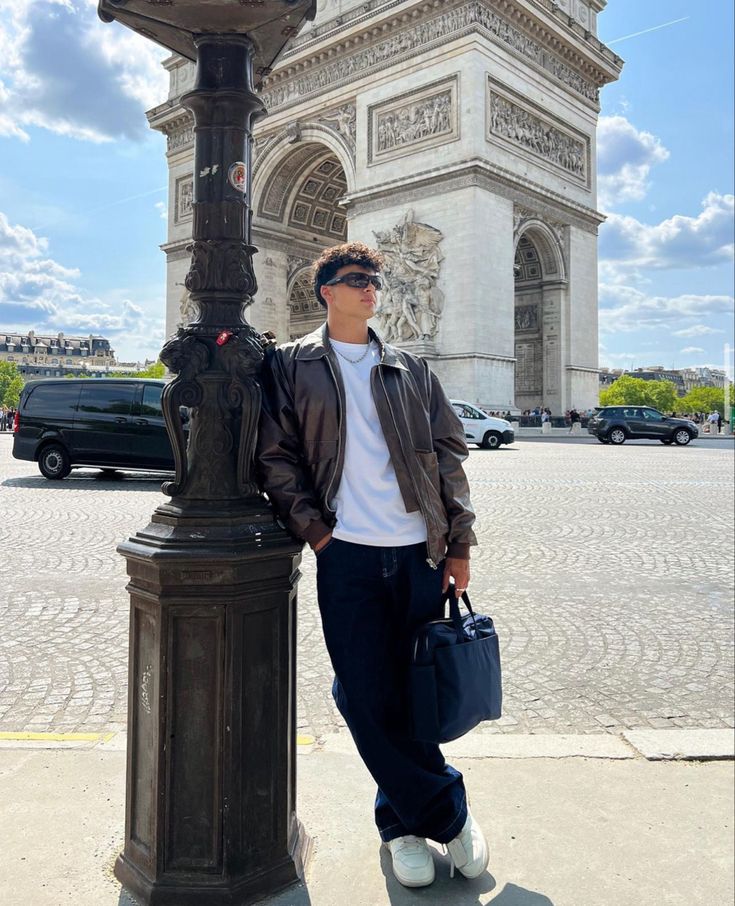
235	892
211	767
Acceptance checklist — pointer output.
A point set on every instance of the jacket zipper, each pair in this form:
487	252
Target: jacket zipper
339	436
429	560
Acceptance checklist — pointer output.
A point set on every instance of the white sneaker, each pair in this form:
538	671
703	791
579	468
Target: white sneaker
468	851
413	864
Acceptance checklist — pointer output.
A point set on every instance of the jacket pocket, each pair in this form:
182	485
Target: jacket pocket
430	465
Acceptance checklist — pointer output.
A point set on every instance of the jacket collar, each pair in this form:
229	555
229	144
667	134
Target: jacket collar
316	345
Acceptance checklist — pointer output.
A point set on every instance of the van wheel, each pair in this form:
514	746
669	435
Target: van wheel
54	463
491	441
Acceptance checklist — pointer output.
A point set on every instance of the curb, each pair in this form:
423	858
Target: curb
652	745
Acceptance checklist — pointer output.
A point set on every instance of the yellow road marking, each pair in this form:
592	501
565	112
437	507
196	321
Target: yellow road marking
304	740
57	737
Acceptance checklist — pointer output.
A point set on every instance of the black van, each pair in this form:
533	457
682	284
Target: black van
111	423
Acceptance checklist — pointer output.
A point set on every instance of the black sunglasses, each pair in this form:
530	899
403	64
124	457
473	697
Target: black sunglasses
358	280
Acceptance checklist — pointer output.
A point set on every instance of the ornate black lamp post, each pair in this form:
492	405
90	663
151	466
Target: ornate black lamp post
210	812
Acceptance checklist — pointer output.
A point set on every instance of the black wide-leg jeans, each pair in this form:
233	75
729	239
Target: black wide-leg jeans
372	599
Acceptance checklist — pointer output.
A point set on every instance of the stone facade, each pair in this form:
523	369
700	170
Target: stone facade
459	137
54	356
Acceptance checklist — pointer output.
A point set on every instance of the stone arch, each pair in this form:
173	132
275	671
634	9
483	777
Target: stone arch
548	246
305	312
540	276
296	213
276	152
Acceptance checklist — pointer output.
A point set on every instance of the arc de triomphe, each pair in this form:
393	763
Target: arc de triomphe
459	137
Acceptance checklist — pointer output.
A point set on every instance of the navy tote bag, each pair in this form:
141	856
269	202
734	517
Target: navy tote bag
455	679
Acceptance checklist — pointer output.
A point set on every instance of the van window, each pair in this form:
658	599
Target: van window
52	399
468	411
111	400
151	404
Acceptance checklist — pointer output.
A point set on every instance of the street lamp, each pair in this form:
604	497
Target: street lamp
211	770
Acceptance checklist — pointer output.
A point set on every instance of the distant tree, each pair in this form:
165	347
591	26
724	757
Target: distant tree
705	399
156	370
631	391
11	383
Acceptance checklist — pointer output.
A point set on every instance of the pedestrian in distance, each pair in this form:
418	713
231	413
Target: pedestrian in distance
361	455
574	417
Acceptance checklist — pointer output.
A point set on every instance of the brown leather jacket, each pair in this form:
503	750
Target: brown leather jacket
302	435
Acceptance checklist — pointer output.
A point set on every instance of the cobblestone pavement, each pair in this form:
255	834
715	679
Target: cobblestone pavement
608	570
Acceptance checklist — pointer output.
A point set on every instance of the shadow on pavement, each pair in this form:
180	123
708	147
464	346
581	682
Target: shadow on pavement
93	481
458	891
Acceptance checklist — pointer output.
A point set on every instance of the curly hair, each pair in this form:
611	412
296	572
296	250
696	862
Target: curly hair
332	259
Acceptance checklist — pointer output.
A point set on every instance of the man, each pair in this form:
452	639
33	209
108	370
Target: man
361	455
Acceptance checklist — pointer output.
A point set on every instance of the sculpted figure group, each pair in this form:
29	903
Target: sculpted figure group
411	303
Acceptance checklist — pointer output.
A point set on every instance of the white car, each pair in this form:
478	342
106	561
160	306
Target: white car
481	428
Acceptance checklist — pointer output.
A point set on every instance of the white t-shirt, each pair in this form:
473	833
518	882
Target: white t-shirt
368	503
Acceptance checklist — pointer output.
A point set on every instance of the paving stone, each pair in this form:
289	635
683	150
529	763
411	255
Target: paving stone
609	577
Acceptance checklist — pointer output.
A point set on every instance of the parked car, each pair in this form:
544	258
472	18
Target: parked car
114	423
616	424
483	429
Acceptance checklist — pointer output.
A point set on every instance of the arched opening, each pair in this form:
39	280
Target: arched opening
297	214
539	281
305	312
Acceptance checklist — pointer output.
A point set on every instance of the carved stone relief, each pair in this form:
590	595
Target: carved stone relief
512	122
413	121
526	317
184	195
343	121
181	136
411	303
295	263
284	90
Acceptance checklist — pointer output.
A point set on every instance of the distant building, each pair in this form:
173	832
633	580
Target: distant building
684	379
40	356
659	373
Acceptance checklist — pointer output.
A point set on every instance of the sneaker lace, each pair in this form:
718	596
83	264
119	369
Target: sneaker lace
410	843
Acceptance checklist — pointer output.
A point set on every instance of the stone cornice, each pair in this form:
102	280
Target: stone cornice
455	356
559	52
469	173
373	9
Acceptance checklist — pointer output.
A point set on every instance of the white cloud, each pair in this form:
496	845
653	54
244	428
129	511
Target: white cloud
41	294
162	209
692	349
625	308
625	157
678	242
66	71
696	330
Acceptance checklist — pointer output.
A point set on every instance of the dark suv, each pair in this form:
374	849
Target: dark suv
616	424
113	423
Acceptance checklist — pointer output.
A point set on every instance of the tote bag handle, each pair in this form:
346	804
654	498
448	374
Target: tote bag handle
455	614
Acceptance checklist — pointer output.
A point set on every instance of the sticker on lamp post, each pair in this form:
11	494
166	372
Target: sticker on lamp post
236	176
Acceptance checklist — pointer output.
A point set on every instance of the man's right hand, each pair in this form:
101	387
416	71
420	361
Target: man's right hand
322	543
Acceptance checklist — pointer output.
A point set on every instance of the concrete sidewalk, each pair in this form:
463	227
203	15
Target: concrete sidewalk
569	822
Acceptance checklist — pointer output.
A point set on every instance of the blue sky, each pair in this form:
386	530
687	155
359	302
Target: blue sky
83	180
